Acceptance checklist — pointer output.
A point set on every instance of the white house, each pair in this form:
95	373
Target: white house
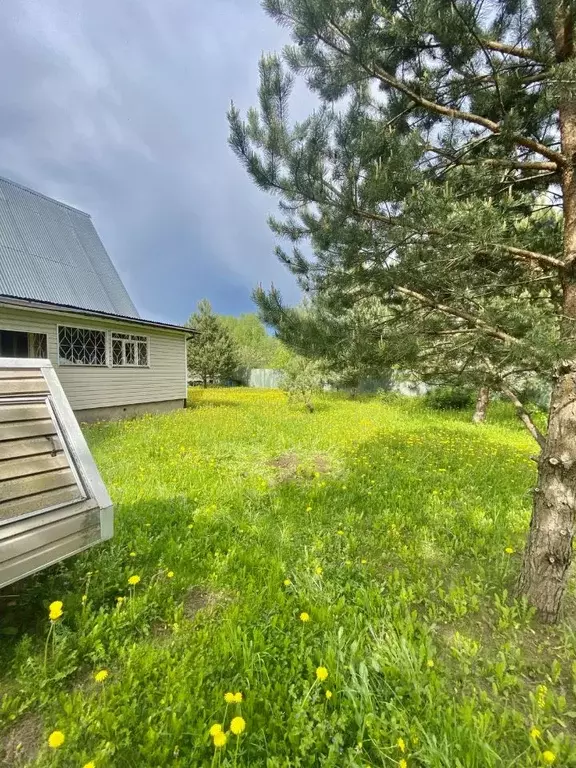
61	298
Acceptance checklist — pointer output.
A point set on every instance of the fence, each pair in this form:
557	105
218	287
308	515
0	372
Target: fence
265	378
271	378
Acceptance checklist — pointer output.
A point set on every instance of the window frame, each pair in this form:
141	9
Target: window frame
67	364
31	340
133	338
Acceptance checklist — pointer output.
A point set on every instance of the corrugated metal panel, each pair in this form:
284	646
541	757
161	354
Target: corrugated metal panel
265	378
51	252
9	233
60	279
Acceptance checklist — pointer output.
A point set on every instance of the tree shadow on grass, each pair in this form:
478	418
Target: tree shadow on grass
193	403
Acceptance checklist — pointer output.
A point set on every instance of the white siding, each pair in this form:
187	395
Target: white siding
93	387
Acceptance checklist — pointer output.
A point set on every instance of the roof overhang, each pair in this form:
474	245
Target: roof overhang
48	306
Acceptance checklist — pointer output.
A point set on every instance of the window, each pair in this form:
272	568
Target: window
81	346
13	344
128	349
37	345
22	344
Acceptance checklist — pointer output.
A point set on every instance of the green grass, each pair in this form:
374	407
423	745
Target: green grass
390	522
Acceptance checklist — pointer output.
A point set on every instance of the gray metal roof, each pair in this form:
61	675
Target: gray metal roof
51	252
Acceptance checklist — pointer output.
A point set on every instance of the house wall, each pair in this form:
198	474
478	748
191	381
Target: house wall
91	387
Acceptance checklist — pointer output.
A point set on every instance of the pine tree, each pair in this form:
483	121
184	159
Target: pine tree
212	353
349	347
438	174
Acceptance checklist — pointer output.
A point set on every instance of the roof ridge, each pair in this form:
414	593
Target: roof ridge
46	197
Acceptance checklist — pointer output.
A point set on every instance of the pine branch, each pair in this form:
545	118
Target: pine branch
468	117
521	412
432	106
537	177
513	50
475	321
521	253
496	162
542	258
524	416
486	54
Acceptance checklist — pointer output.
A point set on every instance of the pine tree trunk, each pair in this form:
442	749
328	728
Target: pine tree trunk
482	401
549	549
548	552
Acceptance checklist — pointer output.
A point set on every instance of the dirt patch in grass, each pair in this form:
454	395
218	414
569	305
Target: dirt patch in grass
291	467
285	461
199	598
321	464
20	743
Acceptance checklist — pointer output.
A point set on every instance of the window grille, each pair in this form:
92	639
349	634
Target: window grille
38	345
81	346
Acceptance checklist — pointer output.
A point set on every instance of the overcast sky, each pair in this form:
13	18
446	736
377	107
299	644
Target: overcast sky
118	107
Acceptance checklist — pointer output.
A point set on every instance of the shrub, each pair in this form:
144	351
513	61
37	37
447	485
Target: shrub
449	398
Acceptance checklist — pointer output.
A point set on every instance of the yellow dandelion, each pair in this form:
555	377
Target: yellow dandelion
319	570
328	695
535	733
401	744
170	574
402	763
308	509
229	697
84	598
238	698
238	725
132	554
304	617
430	663
55	610
363	562
509	550
133	580
548	757
219	739
340	532
216	728
56	739
120	599
287	582
101	675
91	764
321	674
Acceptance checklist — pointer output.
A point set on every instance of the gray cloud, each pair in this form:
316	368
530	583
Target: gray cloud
118	107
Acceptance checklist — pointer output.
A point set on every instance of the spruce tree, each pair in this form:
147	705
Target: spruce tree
212	353
438	174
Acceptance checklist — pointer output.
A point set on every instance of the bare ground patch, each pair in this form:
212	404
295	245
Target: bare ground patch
200	598
19	745
197	599
290	466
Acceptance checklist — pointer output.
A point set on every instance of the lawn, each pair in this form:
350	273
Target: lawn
373	540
